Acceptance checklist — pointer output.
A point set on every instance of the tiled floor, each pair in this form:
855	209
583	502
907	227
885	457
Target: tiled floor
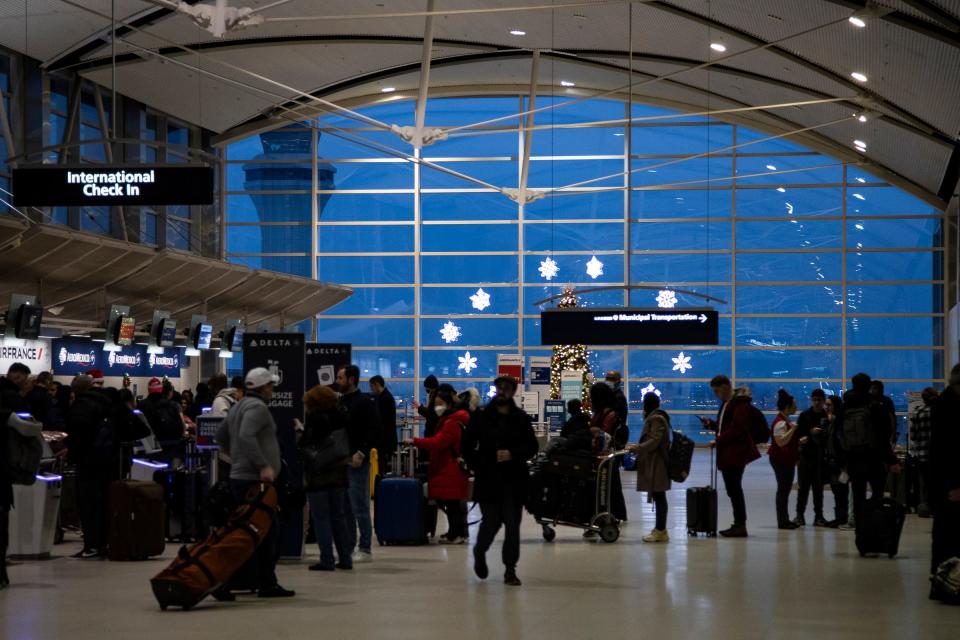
804	584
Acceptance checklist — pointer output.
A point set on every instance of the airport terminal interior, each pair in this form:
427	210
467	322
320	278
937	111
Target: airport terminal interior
262	244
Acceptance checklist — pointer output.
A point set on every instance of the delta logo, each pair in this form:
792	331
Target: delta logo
84	359
167	362
120	360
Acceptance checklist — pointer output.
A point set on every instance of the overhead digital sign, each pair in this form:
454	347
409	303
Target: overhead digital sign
630	326
128	185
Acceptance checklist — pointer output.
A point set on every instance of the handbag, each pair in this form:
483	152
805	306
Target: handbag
329	452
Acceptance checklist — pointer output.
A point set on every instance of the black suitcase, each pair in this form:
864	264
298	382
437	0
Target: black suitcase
184	491
702	506
904	487
879	527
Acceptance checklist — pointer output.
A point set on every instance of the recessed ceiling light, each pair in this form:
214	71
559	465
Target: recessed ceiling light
859	77
862	118
388	89
857	21
860	143
718	47
771	167
518	32
566	83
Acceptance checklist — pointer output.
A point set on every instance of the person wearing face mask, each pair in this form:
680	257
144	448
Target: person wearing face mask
497	447
446	481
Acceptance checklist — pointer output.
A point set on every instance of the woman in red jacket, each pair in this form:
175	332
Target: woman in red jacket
784	455
446	481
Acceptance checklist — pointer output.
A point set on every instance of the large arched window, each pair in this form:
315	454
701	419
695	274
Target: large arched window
826	269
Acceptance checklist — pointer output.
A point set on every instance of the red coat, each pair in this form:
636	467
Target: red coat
446	481
735	447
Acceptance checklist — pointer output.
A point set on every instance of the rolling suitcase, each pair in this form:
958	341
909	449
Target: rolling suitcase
202	568
702	506
136	520
400	512
879	527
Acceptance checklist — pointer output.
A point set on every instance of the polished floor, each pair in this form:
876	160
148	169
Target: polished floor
805	584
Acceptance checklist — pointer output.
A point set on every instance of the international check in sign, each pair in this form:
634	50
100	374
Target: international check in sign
648	327
118	185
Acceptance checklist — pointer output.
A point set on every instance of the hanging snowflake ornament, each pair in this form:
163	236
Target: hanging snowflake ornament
594	268
480	300
492	393
666	299
450	332
649	389
681	363
467	363
548	269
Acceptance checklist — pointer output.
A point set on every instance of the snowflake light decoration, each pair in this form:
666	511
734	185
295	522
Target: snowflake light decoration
594	268
548	269
480	300
681	363
666	299
450	332
492	393
467	363
649	389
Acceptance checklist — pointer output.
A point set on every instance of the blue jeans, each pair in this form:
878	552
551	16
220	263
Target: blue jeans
360	507
331	516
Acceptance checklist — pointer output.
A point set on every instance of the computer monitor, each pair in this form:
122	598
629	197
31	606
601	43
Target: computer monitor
235	339
124	331
202	335
29	317
167	333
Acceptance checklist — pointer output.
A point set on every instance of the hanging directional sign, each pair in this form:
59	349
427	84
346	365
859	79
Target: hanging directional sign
630	326
119	185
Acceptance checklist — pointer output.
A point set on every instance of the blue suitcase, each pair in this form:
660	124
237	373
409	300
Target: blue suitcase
399	511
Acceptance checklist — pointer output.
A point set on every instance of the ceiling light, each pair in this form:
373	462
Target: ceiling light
859	77
861	181
771	167
858	196
517	32
781	190
860	143
566	83
862	118
388	90
719	47
857	21
619	135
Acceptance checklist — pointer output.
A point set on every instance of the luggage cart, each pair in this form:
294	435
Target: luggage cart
568	478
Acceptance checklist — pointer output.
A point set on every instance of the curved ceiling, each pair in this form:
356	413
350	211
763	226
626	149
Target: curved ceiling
345	51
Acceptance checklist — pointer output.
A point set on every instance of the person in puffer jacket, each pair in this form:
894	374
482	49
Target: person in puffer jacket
447	483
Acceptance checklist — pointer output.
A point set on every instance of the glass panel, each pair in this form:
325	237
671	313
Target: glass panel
681	203
889	265
446	363
789	234
357	270
353	207
456	300
386	363
270	176
262	239
779	145
480	269
790	201
788	266
573	268
678	268
800	364
696	171
484	332
788	332
595	236
594	141
677	395
178	235
264	208
388	301
498	174
467	206
765	393
561	173
487	145
469	237
531	294
785	170
908	234
910	298
787	299
903	363
680	235
577	205
870	331
678	140
885	201
95	219
857	176
459	111
358	143
294	265
371	332
698	363
365	239
372	175
649	298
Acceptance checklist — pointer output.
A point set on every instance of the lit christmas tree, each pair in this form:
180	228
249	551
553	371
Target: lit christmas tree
569	357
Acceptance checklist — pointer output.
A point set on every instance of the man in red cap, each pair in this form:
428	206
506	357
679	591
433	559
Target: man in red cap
163	415
97	376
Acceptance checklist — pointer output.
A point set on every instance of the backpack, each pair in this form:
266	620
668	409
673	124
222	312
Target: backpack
680	457
23	453
105	446
856	430
621	433
759	429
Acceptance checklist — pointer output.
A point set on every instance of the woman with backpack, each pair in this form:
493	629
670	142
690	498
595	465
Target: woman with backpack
784	456
653	454
447	482
327	487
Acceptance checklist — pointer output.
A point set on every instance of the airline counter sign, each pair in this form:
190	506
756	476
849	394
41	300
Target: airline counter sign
54	186
33	353
75	356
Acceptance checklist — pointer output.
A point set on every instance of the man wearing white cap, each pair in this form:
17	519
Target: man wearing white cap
248	436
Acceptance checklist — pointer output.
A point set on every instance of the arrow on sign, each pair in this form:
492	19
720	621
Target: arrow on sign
703	318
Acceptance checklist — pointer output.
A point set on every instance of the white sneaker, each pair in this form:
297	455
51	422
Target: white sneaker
362	556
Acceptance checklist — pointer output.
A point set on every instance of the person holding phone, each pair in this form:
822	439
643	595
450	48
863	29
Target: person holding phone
812	469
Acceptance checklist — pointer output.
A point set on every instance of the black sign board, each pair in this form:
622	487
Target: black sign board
630	326
323	360
283	355
97	185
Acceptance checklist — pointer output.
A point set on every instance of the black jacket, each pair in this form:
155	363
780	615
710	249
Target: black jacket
492	432
387	440
316	428
364	421
577	432
620	405
808	420
164	418
881	451
86	417
944	446
10	397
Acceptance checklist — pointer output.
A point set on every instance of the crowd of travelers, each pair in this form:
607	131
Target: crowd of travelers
481	452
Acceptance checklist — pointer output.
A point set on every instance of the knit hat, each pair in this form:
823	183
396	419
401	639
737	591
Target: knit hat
97	376
155	386
430	382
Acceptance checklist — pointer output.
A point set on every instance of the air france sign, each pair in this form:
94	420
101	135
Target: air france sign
33	353
75	356
51	186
